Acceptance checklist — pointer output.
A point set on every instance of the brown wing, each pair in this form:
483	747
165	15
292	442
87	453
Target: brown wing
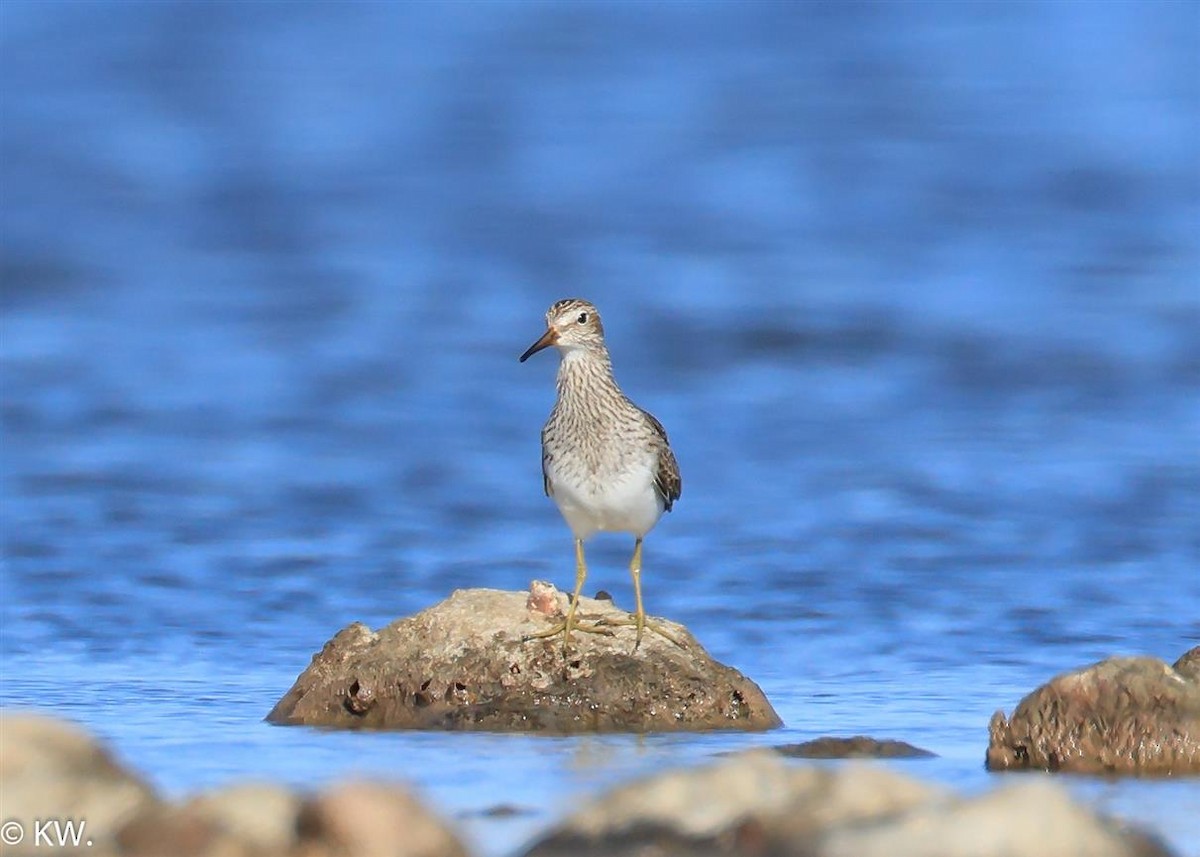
667	481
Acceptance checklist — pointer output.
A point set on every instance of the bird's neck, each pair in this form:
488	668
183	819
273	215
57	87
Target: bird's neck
585	372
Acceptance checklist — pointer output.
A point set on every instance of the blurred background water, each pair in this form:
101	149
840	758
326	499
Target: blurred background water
914	286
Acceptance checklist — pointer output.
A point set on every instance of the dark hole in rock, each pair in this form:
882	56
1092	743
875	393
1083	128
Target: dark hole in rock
358	700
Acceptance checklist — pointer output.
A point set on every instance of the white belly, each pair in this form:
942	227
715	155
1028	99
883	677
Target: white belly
627	503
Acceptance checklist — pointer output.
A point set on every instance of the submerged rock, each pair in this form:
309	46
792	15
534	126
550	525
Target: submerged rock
756	804
1119	716
858	747
466	663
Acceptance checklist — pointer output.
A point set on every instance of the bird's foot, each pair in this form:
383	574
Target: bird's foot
641	622
561	628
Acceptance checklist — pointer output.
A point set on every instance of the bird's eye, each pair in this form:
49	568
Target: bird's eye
582	318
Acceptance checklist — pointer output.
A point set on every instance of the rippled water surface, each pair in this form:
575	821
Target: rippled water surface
914	287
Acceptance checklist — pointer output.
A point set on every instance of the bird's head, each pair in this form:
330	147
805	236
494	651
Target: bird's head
570	324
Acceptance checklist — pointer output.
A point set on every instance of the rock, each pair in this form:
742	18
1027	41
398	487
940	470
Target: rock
1188	664
858	747
499	810
757	805
50	769
747	804
1038	819
181	833
54	770
372	820
1122	715
259	814
350	820
464	664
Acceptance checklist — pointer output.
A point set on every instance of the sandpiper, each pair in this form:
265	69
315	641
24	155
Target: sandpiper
605	462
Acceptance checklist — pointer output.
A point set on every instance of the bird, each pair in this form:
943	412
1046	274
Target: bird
606	463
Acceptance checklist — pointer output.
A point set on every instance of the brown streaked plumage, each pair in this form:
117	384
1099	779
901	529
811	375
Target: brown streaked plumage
606	463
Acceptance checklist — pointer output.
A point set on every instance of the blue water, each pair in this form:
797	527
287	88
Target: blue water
914	287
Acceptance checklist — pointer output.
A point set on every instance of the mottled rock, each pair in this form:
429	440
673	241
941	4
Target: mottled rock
858	747
372	820
756	805
1119	716
466	664
51	769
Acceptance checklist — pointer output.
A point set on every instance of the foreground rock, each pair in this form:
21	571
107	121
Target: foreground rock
53	770
1122	715
748	805
465	664
756	804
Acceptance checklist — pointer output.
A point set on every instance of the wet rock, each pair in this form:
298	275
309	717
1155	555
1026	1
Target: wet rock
757	804
465	664
858	747
1120	716
50	769
372	820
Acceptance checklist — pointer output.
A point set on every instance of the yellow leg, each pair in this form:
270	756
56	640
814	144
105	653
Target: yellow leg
635	571
639	617
580	577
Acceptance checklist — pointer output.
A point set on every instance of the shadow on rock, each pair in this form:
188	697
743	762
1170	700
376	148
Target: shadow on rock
466	663
1120	716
